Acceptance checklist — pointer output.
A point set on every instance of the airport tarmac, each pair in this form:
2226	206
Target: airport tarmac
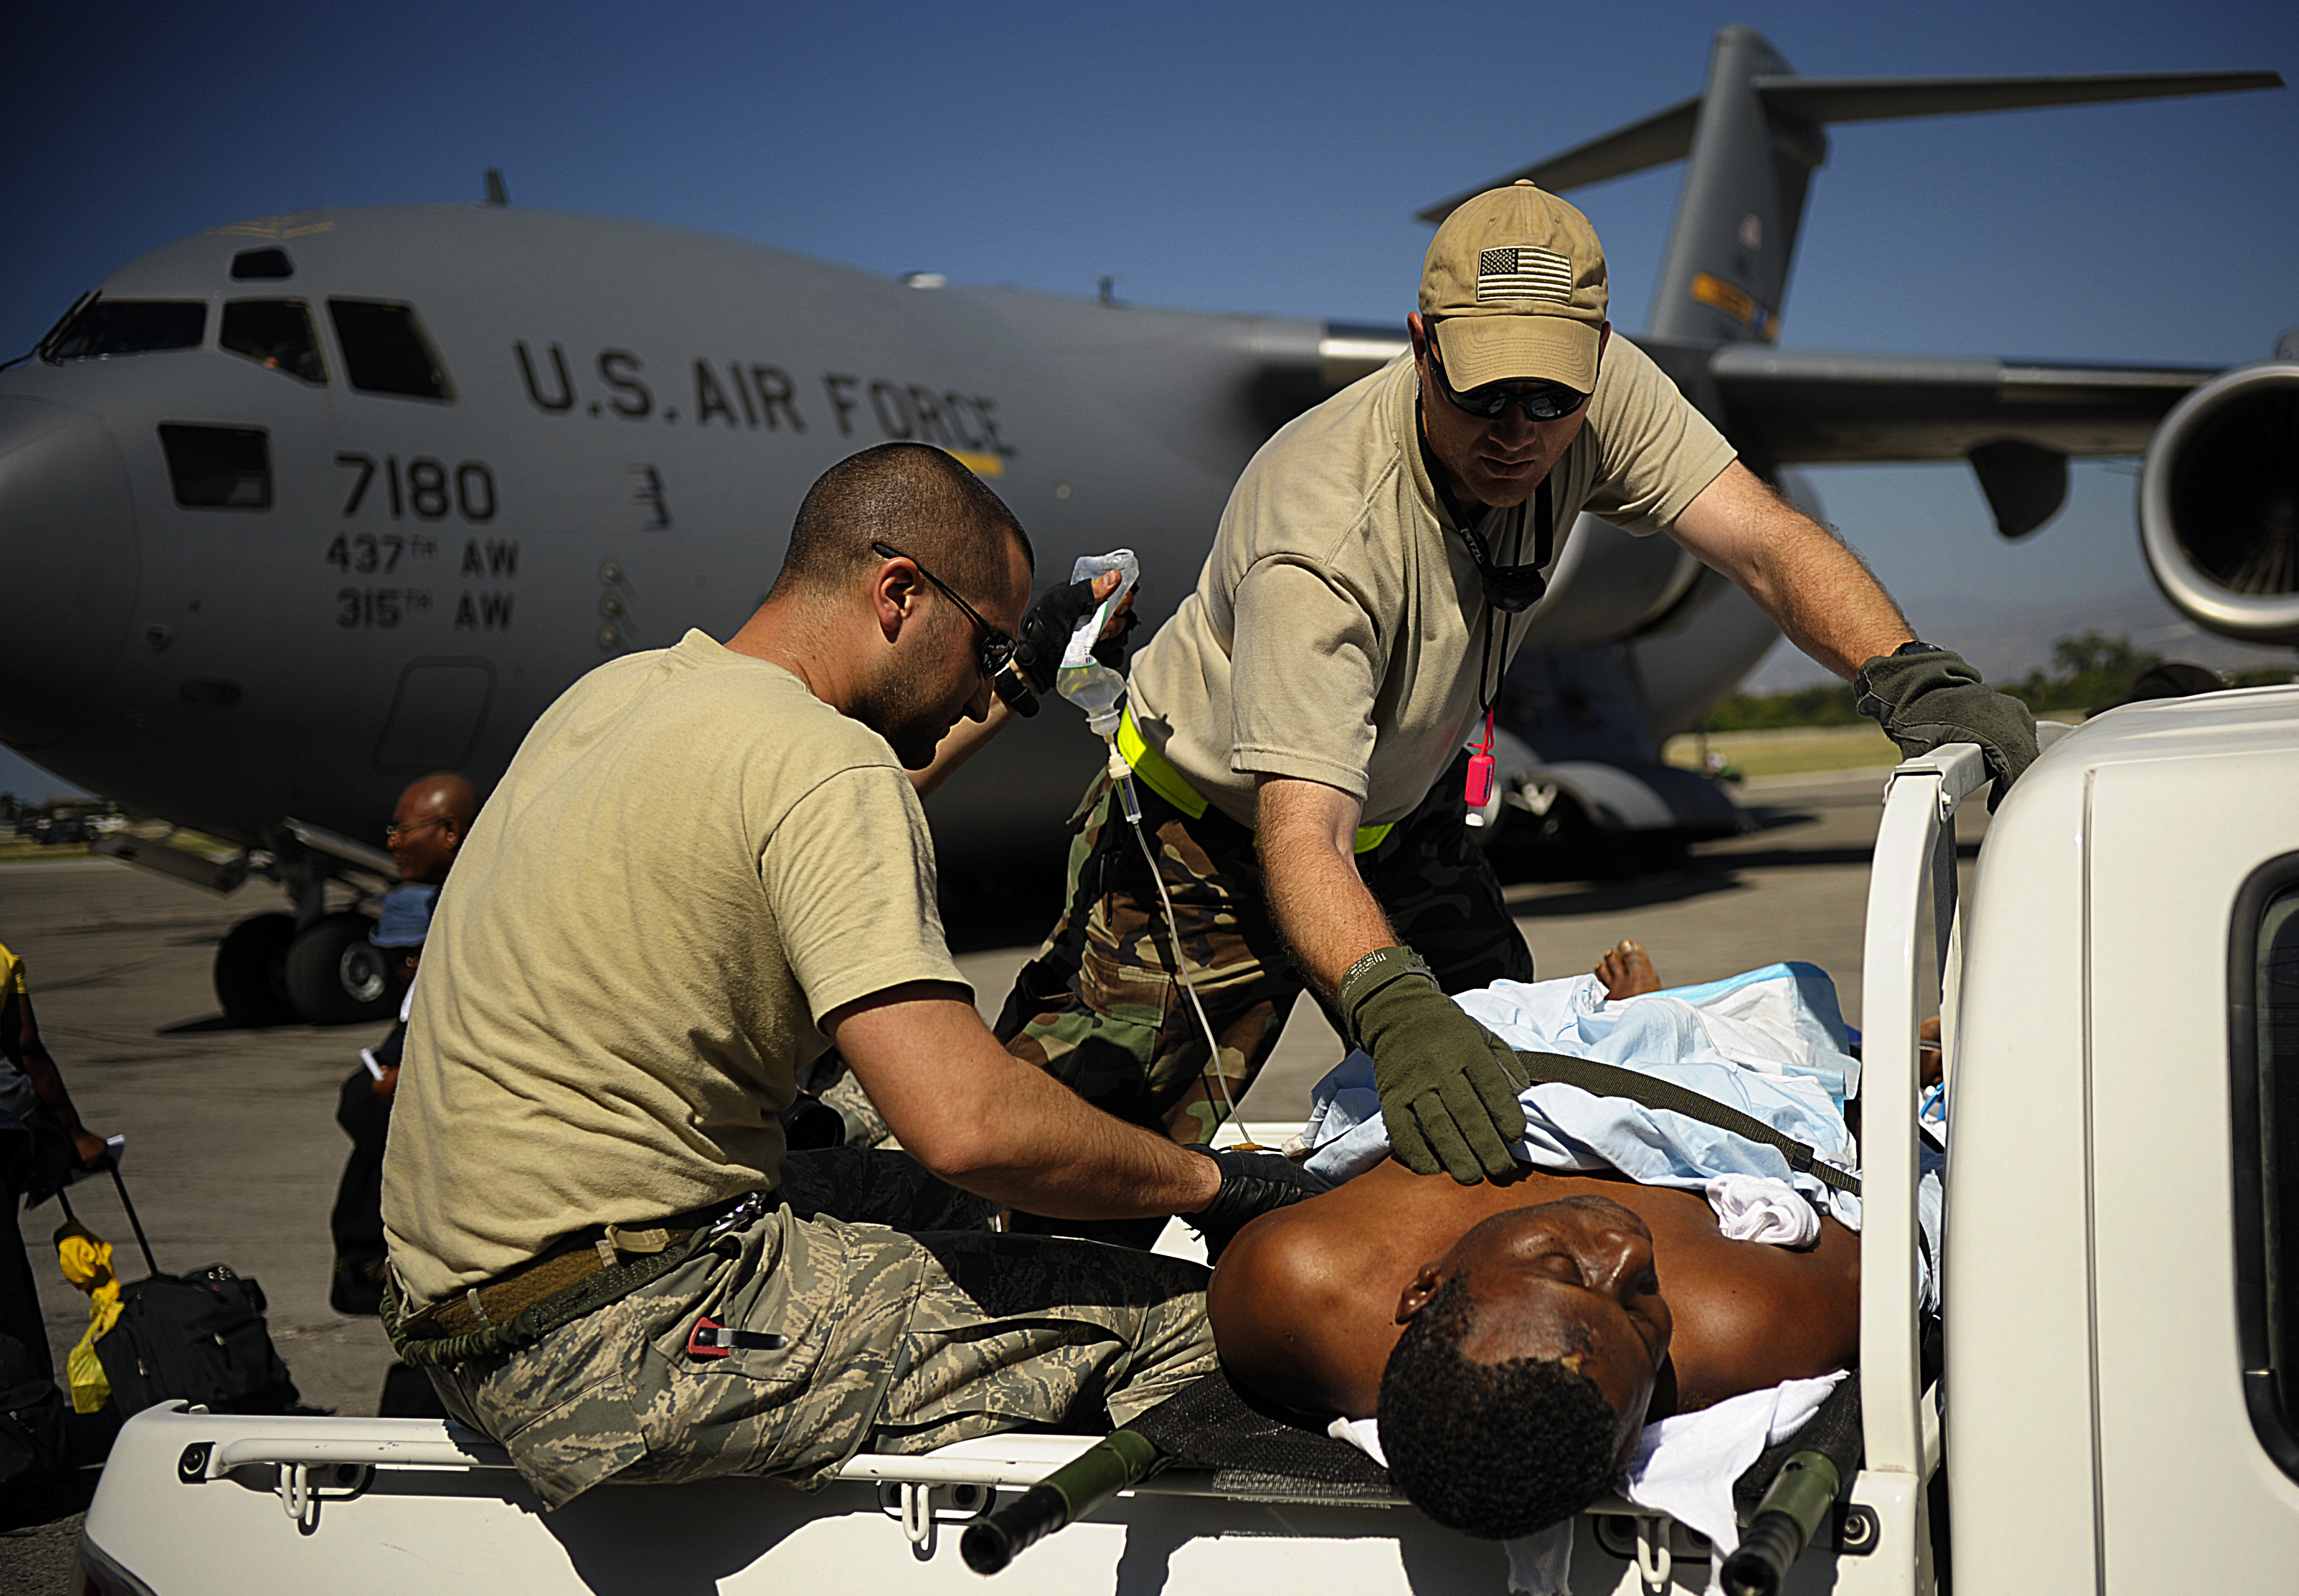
233	1152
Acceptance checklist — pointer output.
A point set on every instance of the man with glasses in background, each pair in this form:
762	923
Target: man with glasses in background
1299	724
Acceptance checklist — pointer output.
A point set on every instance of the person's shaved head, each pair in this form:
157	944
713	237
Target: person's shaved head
428	825
917	499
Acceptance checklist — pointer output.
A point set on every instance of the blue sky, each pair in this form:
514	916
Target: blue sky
1238	157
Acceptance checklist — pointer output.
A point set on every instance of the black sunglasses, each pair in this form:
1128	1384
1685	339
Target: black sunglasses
993	649
1544	401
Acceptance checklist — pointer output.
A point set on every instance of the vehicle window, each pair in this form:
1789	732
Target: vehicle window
2265	1023
109	327
277	332
217	467
385	350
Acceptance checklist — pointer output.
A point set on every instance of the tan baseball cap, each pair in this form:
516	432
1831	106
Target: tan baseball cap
1514	289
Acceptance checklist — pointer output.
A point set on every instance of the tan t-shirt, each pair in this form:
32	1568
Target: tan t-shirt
1337	630
691	861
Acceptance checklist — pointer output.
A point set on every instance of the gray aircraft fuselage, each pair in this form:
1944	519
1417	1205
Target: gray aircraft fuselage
635	414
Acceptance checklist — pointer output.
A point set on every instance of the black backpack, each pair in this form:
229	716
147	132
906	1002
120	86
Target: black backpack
199	1338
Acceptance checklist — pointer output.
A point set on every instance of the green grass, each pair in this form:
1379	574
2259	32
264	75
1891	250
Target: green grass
1790	752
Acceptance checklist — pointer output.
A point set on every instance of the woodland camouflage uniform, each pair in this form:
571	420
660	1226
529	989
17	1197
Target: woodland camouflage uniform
1100	1008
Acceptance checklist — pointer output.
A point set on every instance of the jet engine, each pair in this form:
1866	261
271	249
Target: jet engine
2218	503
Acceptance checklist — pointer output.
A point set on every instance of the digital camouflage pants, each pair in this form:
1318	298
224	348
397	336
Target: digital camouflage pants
895	1339
1101	1007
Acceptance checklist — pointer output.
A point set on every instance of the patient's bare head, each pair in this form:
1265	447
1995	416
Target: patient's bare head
1518	1392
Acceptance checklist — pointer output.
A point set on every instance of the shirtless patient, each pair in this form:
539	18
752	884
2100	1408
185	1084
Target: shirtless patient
1515	1337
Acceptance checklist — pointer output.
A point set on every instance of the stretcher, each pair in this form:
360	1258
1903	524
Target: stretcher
193	1502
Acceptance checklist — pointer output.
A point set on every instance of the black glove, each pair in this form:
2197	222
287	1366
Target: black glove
1931	697
1046	628
1448	1087
1252	1184
1116	639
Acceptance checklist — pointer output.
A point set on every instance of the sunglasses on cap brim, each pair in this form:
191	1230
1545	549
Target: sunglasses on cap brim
1543	402
993	649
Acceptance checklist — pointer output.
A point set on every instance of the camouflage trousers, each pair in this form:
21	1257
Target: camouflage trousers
871	1338
1103	1010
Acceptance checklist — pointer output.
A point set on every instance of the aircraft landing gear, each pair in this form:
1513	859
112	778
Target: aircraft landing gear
334	976
251	971
268	974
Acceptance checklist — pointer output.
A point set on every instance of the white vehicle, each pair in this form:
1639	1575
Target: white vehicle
2121	999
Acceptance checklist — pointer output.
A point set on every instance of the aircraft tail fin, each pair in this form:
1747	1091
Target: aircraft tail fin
1754	136
1664	137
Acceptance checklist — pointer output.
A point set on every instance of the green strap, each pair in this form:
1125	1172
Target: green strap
1610	1080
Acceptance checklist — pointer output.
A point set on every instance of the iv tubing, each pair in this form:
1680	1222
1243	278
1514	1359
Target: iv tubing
1133	810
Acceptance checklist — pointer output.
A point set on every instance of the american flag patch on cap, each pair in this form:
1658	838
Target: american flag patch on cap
1523	274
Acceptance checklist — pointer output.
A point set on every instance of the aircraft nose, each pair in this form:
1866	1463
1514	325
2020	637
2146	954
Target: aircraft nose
68	566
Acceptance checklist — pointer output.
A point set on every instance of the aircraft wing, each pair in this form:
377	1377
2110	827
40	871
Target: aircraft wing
1807	407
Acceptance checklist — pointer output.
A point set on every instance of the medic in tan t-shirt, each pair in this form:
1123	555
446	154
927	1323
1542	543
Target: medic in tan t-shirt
1299	723
705	866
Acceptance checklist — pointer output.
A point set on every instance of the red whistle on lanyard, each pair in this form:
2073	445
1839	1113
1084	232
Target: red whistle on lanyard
1480	788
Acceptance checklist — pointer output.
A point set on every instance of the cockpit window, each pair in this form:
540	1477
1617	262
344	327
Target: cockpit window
385	350
276	332
109	327
250	263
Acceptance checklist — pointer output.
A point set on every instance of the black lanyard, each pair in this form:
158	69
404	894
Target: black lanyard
1544	539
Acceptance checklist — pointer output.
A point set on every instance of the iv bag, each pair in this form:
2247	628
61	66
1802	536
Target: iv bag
1083	679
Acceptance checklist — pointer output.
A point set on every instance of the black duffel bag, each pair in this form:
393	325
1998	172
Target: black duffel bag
197	1338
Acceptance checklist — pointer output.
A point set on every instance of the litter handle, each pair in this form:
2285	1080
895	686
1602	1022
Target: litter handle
1786	1521
1120	1460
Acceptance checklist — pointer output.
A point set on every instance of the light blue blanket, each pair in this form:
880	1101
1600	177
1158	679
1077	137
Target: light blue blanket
1769	1043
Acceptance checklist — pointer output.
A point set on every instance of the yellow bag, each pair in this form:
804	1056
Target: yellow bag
87	1260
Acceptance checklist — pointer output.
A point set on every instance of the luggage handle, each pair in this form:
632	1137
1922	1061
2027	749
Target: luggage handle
151	1265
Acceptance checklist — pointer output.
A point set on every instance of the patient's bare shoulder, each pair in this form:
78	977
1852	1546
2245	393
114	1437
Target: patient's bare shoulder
1294	1314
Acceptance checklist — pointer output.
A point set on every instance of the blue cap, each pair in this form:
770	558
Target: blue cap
406	916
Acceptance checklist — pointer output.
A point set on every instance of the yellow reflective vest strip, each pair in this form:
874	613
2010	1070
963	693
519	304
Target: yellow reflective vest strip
1161	778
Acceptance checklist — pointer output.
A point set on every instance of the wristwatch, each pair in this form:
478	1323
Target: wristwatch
1912	647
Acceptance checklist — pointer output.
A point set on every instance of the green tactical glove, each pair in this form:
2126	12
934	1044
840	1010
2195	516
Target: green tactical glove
1928	697
1448	1087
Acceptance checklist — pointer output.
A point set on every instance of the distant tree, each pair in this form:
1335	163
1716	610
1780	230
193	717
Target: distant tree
2090	671
1829	705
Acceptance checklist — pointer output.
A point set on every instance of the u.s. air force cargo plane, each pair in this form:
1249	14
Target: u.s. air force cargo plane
297	509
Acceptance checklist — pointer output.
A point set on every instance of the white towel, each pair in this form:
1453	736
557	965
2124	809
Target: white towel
1685	1467
1756	1208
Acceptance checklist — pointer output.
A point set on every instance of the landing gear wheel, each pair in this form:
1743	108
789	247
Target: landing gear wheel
251	974
336	976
